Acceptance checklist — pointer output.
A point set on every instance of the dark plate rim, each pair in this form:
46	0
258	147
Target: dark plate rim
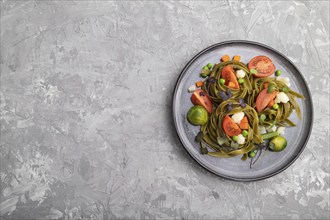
275	51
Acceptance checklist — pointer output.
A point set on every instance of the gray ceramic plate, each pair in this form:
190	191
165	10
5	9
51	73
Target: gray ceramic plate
234	168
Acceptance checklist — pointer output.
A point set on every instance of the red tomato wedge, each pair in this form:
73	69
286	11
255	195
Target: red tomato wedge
228	74
231	85
230	127
263	65
244	124
199	97
264	98
271	103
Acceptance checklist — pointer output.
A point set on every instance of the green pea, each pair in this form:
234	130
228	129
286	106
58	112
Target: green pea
235	138
252	154
245	133
285	89
253	71
240	81
205	68
209	65
222	81
262	117
278	72
204	75
275	106
271	88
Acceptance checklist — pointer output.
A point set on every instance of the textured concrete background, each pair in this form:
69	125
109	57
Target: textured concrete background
86	126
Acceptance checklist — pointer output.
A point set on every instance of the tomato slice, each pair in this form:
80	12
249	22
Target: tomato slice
244	124
264	98
230	127
271	103
231	85
199	97
228	74
263	65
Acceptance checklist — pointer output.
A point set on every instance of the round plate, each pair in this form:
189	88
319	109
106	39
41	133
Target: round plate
270	163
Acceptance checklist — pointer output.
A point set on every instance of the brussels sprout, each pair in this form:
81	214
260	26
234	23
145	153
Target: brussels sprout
278	143
197	115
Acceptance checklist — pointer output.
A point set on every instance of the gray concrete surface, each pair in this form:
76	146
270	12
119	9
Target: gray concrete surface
86	127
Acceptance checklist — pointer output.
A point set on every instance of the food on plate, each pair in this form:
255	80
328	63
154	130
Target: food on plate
199	97
263	65
277	143
245	107
197	115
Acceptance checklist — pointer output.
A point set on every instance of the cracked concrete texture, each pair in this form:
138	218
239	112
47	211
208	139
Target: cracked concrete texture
86	125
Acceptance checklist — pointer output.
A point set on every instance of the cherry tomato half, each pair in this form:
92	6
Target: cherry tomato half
263	65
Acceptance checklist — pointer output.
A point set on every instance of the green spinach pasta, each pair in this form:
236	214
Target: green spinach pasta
247	108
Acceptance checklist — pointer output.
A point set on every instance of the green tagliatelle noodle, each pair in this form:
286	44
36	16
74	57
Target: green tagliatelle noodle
279	117
213	131
214	136
213	89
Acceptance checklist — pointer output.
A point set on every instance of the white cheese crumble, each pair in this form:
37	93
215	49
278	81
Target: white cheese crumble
237	117
281	97
262	130
280	130
241	139
240	73
270	129
192	88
